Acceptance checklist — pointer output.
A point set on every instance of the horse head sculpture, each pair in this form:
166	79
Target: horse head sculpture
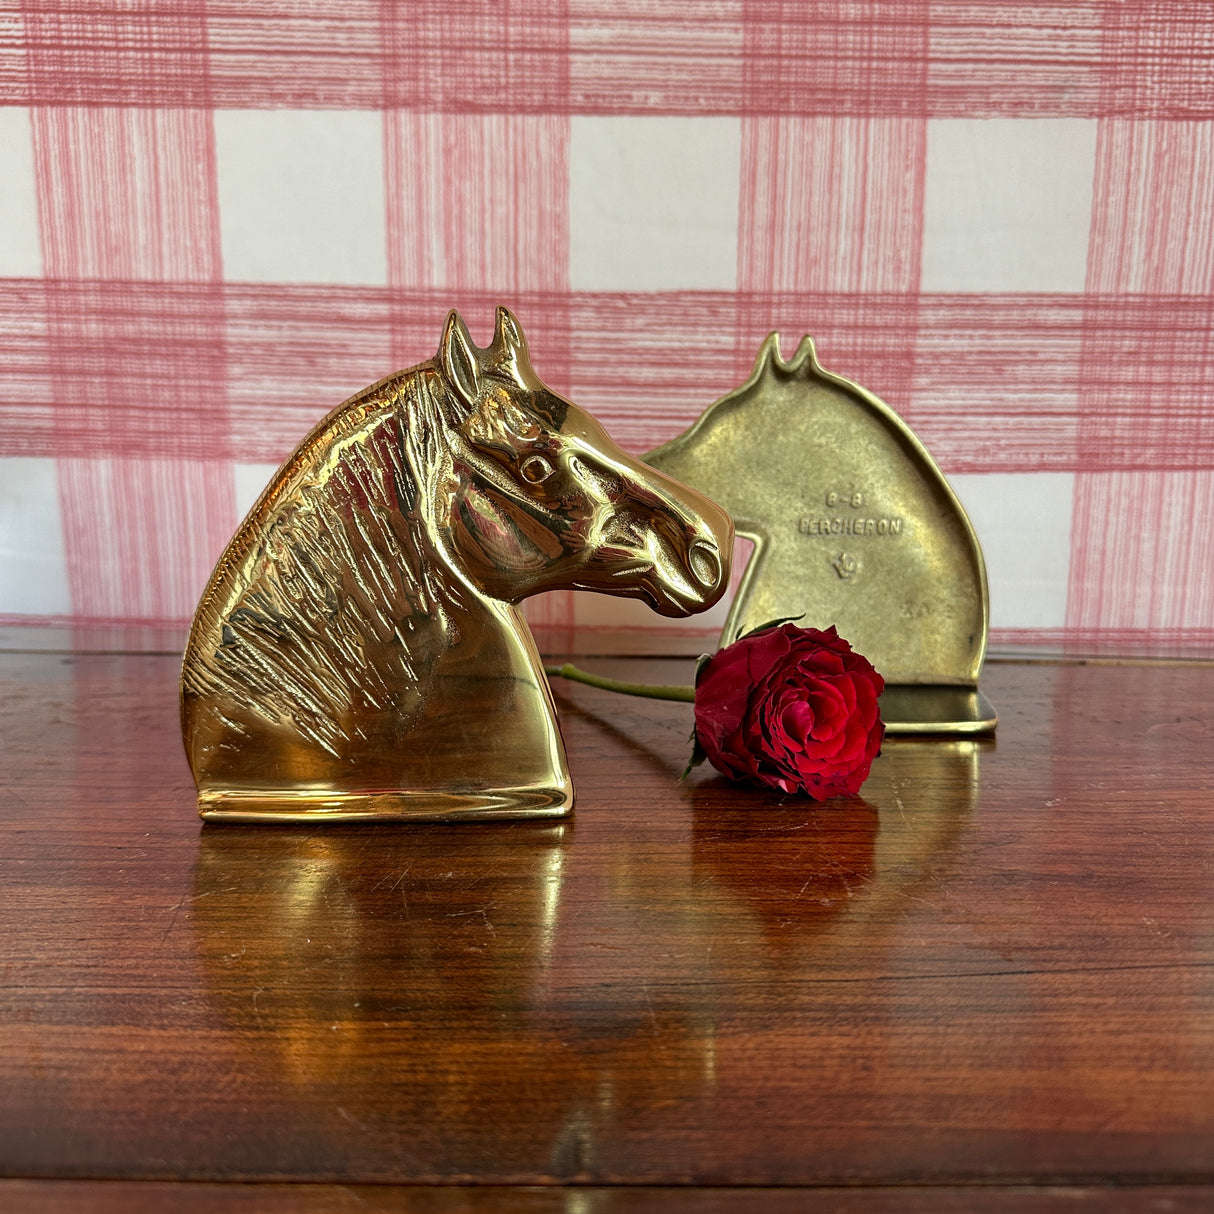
359	653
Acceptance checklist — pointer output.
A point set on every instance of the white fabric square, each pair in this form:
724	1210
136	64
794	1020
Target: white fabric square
1008	204
1023	521
250	480
301	195
654	203
20	235
33	571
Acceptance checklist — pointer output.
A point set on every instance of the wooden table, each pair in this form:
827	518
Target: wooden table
988	985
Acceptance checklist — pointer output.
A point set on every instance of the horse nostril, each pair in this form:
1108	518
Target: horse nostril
705	564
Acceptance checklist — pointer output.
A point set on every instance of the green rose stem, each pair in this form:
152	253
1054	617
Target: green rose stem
651	691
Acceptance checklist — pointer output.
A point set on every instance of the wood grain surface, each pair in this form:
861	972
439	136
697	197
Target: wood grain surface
995	968
201	1197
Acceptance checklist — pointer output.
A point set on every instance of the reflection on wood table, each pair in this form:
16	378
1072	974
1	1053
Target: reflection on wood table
995	968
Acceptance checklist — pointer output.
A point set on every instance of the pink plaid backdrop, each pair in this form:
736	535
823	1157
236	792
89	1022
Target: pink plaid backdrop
219	218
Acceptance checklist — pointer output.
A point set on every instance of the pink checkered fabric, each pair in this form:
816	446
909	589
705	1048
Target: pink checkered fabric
218	218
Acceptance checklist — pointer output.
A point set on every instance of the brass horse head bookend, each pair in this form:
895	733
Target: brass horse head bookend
853	525
359	653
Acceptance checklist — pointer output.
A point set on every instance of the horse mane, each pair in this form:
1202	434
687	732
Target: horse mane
329	603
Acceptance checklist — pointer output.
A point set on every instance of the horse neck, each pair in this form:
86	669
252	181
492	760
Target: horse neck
342	533
387	485
363	487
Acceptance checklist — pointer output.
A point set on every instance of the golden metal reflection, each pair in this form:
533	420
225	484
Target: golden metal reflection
359	652
819	875
388	929
853	525
627	957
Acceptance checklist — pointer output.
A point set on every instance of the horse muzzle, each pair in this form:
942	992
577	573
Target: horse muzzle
688	554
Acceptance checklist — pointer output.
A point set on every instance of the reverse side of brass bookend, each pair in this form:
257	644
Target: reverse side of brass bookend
359	652
853	525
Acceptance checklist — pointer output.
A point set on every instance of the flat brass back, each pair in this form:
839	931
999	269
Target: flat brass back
359	652
853	525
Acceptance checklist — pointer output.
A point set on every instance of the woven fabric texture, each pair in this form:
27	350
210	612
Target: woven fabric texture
219	218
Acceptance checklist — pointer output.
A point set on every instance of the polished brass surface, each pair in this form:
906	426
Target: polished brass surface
359	652
909	708
853	525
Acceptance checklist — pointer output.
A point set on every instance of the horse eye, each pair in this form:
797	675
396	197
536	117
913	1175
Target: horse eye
535	468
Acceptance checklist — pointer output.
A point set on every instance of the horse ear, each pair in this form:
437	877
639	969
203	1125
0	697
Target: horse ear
458	359
508	335
508	352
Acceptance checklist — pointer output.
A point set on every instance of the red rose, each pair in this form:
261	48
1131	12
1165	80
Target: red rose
791	708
